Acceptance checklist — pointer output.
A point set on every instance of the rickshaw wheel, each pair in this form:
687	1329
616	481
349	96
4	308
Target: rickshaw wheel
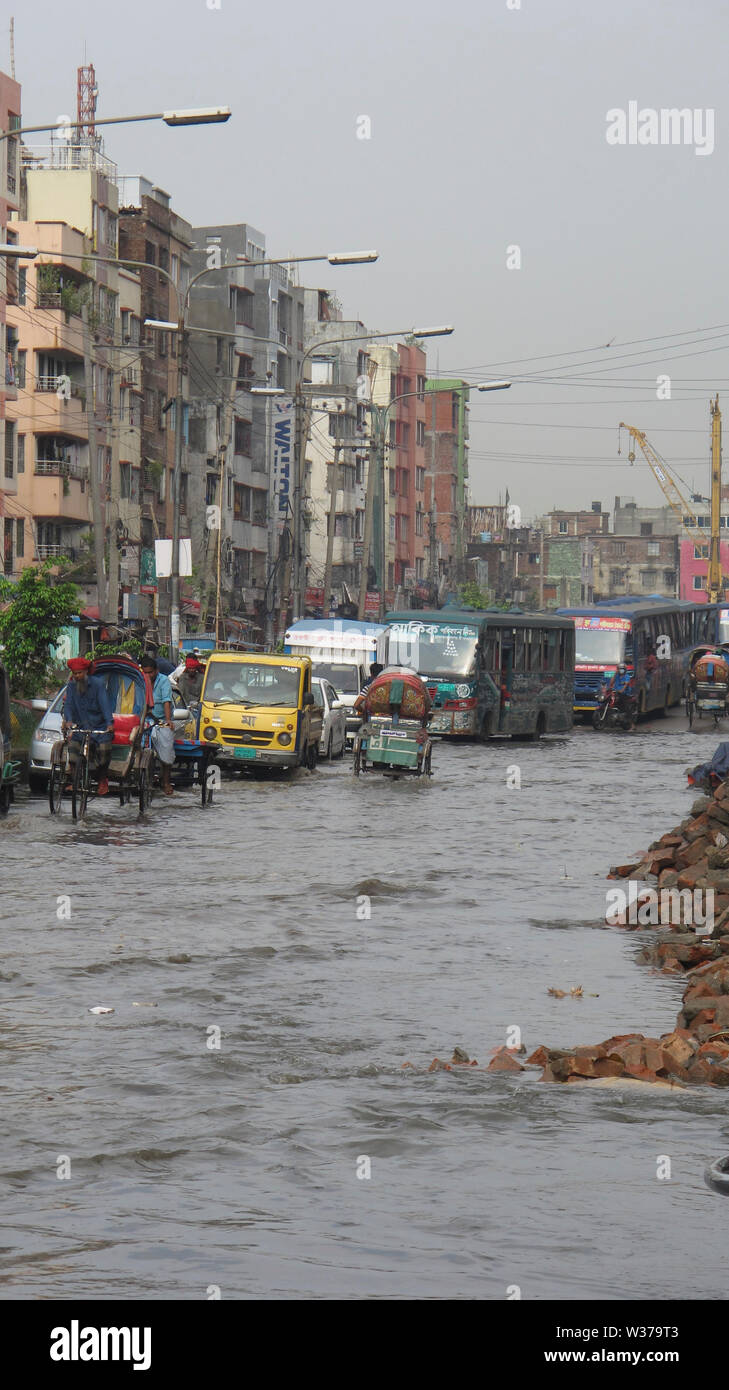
6	796
357	759
80	787
427	761
145	790
55	787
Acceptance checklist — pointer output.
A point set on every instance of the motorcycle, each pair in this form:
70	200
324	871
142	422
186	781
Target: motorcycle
616	710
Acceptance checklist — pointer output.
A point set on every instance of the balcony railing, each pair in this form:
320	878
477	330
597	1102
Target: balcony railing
51	383
46	552
12	184
60	468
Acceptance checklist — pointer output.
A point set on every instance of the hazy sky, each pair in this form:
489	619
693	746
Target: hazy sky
488	131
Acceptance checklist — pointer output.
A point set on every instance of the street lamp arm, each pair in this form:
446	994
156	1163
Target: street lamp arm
202	116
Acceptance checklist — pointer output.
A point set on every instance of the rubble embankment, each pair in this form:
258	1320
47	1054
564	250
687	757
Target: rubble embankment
693	857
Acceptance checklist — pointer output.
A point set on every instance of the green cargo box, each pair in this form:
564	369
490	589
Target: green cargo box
392	749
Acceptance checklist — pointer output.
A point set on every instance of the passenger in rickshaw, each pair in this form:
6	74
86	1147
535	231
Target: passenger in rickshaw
163	733
190	682
88	706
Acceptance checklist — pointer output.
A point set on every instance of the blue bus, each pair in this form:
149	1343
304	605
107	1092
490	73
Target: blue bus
627	630
488	672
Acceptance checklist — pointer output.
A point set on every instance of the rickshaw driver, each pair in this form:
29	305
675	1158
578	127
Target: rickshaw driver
88	706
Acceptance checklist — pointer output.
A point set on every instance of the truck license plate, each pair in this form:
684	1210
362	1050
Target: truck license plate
244	752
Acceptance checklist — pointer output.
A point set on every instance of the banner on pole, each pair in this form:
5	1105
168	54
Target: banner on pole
283	459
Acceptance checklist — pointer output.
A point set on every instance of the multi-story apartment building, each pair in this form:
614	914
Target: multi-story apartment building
399	392
255	321
635	564
578	523
151	232
11	514
446	475
694	568
336	404
76	411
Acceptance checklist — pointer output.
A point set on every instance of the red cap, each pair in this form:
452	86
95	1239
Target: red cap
79	663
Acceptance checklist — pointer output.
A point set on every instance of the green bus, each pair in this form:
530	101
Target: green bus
488	672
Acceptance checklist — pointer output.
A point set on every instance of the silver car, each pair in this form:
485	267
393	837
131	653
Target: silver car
334	719
47	733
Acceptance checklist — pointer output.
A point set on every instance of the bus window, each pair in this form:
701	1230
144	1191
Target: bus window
550	649
519	650
529	638
491	653
563	650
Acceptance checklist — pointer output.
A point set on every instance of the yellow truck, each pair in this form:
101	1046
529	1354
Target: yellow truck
259	710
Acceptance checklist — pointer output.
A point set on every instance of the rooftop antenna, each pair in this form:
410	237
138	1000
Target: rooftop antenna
86	94
12	46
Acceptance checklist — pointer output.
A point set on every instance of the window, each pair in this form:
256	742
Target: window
618	546
392	435
653	548
183	492
9	448
22	285
669	578
646	528
19	539
420	522
359	524
392	528
699	581
125	481
419	567
21	453
243	437
335	431
245	369
403	434
420	432
241	502
454	410
649	579
403	536
20	370
616	579
563	529
211	487
149	253
244	307
419	479
175	268
259	502
701	552
421	388
391	481
359	470
322	371
343	525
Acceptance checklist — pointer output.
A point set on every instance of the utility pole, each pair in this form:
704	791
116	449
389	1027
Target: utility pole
541	568
97	517
715	582
115	480
368	517
179	432
332	518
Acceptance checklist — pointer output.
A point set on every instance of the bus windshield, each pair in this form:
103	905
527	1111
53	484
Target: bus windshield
433	649
599	647
251	683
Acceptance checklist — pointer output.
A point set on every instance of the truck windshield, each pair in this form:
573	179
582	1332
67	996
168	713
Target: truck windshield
251	683
598	647
433	649
341	674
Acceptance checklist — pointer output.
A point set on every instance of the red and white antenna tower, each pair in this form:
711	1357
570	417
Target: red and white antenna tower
87	92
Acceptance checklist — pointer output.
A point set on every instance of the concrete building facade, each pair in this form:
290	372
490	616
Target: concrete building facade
446	479
11	512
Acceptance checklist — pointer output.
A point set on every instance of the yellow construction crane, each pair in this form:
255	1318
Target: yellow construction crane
676	500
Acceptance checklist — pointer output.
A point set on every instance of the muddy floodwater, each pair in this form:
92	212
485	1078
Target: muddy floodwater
236	1158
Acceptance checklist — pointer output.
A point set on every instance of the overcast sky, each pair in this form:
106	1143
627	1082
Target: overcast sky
488	131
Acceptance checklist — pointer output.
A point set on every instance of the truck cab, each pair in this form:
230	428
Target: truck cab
260	710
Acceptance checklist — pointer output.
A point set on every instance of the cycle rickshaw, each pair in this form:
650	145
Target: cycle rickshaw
394	738
74	771
707	682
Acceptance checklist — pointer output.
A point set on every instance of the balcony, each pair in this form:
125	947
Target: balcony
56	499
61	468
61	387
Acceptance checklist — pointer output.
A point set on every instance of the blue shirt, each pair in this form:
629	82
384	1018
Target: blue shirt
90	708
162	690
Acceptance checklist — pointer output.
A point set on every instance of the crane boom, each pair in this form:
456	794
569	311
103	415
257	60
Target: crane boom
675	498
714	582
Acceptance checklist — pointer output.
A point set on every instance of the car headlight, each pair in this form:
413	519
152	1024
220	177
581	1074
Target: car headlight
47	735
209	733
285	739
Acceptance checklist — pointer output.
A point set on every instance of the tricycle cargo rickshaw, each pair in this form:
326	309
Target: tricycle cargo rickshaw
394	738
9	770
707	682
74	769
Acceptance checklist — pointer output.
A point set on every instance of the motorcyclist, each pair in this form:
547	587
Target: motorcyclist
620	684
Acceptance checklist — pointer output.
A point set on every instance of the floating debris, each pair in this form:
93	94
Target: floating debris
99	1009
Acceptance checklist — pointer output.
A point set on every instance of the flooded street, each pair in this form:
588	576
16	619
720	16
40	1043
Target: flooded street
195	1165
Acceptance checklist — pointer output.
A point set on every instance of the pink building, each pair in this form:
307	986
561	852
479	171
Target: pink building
694	566
11	533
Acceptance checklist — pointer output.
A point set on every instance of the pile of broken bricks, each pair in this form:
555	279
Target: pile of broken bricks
693	856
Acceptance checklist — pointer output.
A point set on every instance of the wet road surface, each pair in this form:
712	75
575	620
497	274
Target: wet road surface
194	1164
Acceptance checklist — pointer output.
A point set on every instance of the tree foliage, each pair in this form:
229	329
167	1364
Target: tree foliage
472	595
34	612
